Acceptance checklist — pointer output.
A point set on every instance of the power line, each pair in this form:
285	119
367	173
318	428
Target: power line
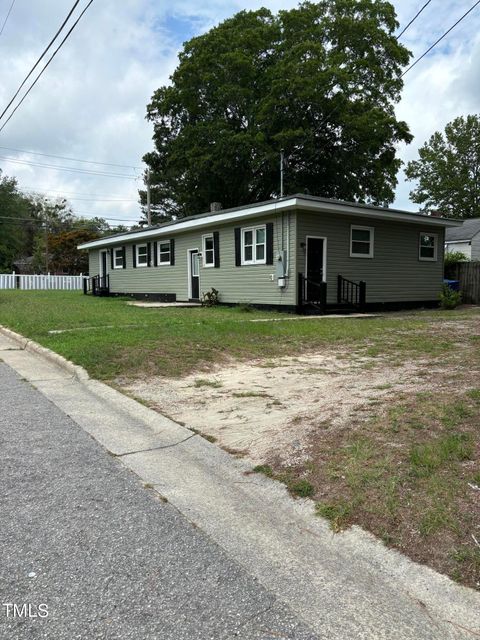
69	169
22	220
40	58
7	17
45	67
62	192
440	39
413	19
49	155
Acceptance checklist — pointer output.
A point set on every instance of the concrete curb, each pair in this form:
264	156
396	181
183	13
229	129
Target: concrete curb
33	347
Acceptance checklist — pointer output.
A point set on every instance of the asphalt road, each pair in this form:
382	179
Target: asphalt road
81	536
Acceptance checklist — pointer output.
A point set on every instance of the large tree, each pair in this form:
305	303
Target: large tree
14	222
319	81
448	170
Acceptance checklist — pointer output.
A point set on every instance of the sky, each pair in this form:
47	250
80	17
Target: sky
90	104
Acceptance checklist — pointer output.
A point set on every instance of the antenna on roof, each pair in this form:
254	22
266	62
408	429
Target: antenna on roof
281	171
149	208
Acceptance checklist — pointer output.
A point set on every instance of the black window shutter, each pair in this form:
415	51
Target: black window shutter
149	254
238	247
155	255
112	257
134	255
216	249
172	251
269	237
124	257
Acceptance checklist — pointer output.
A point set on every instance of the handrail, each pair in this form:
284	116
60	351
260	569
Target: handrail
352	293
312	293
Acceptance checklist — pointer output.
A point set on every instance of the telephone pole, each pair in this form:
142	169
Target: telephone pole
149	209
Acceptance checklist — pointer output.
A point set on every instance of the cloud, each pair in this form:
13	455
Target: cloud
91	101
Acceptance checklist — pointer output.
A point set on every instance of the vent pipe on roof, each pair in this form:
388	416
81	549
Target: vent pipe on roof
215	206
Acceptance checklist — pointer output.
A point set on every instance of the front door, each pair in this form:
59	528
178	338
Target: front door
315	266
194	274
103	263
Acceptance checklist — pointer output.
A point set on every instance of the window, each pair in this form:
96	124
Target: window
361	242
118	258
142	255
164	256
428	247
208	251
253	245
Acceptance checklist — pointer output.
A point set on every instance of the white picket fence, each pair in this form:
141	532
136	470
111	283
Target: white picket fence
42	281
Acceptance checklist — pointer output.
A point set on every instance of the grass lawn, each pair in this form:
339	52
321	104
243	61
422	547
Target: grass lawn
407	469
111	339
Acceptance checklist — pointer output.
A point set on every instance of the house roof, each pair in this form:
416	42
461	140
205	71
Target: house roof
279	205
467	231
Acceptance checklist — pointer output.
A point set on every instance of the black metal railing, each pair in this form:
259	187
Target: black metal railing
351	293
312	293
97	285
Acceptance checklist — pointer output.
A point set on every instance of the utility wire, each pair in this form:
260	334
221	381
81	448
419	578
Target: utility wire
49	155
45	67
69	169
73	193
440	39
413	19
40	58
7	17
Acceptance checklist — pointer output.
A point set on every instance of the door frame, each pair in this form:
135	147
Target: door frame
189	271
100	266
324	265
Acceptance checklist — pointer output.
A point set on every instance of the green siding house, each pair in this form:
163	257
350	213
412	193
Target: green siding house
296	253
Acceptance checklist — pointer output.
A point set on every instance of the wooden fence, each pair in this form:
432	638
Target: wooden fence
41	282
468	274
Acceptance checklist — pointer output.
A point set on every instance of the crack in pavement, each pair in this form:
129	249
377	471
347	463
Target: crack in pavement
165	446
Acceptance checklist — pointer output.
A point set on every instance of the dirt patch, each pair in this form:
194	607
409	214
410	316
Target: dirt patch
383	434
277	405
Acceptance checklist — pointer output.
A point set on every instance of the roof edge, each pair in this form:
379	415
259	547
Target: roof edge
297	201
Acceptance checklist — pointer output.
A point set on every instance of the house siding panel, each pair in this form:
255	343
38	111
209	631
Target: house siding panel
394	274
248	284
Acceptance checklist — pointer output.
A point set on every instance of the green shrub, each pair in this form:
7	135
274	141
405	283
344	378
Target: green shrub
449	299
454	257
210	298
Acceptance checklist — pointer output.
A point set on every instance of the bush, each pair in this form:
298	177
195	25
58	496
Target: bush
210	298
454	257
449	299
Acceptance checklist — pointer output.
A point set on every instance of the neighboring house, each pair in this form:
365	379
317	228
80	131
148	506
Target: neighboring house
465	239
296	251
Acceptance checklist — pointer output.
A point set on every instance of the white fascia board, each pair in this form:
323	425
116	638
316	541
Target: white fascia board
273	207
466	241
188	225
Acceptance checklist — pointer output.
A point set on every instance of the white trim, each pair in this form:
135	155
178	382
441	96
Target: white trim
435	246
164	264
137	247
115	249
100	269
274	207
324	265
371	242
458	242
254	245
189	272
204	250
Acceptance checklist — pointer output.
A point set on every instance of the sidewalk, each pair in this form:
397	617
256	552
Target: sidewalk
340	586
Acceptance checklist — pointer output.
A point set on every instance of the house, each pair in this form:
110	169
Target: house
292	253
465	239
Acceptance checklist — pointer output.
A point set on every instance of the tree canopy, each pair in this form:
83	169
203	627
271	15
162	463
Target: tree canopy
448	170
320	81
